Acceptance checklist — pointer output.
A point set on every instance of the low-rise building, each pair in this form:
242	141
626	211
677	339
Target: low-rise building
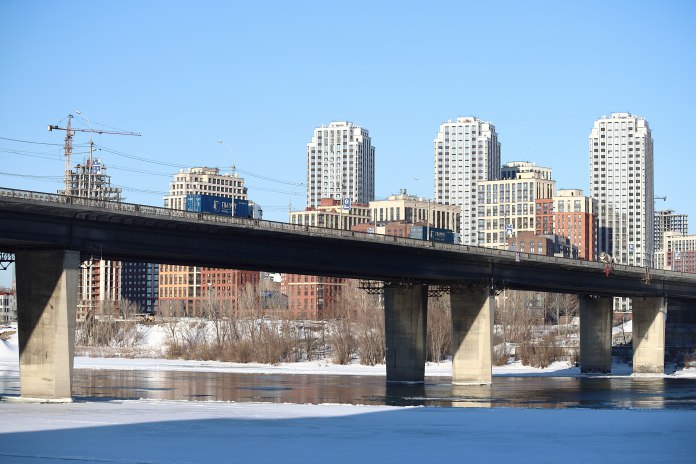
678	252
8	305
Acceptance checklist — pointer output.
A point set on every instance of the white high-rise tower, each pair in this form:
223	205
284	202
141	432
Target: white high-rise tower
621	180
340	164
467	151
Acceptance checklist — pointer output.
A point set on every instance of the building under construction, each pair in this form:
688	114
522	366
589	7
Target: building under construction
100	280
89	180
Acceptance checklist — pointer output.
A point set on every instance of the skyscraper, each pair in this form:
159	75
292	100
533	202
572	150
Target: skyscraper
340	164
467	151
621	180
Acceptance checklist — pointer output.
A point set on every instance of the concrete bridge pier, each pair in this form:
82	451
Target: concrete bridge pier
472	336
595	334
47	286
405	320
649	321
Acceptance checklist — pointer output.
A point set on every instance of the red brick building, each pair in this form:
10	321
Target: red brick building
575	217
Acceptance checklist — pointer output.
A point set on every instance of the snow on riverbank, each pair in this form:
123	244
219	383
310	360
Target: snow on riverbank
153	339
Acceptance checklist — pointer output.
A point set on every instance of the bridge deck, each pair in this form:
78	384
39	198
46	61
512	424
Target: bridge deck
31	220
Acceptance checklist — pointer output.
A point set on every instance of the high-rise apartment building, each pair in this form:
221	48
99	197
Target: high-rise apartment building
140	285
621	180
467	151
340	164
509	205
191	290
574	217
669	221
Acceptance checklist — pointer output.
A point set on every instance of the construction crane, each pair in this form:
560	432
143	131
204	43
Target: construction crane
69	132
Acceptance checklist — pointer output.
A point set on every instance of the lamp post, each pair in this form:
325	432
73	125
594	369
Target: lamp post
210	304
427	222
231	153
91	150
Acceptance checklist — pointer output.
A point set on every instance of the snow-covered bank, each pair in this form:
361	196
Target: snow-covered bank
187	432
9	355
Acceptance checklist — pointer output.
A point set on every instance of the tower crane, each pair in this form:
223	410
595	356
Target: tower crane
69	132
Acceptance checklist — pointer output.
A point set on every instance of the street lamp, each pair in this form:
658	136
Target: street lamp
210	304
231	153
427	222
91	150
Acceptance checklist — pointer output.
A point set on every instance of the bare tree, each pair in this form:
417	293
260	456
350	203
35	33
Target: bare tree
439	334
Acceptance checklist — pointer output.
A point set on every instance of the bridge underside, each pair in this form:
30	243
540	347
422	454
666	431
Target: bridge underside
47	287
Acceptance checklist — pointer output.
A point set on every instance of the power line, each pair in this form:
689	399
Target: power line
148	160
30	176
182	166
37	143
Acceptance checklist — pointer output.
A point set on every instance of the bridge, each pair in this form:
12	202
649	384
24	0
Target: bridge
50	235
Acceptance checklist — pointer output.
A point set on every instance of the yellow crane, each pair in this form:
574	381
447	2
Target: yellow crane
69	132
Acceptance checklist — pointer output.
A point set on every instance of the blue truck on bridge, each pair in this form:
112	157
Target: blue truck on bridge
436	234
210	204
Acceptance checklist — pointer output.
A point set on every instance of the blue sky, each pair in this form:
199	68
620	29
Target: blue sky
261	75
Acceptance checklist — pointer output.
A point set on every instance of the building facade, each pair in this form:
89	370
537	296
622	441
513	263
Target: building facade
140	286
508	206
412	209
542	244
467	151
621	180
678	252
669	221
191	290
331	215
8	305
340	164
575	217
310	297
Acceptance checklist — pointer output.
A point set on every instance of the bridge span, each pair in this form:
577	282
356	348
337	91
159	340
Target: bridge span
51	234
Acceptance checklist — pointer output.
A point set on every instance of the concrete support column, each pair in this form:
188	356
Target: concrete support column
47	286
472	337
405	319
649	317
595	334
